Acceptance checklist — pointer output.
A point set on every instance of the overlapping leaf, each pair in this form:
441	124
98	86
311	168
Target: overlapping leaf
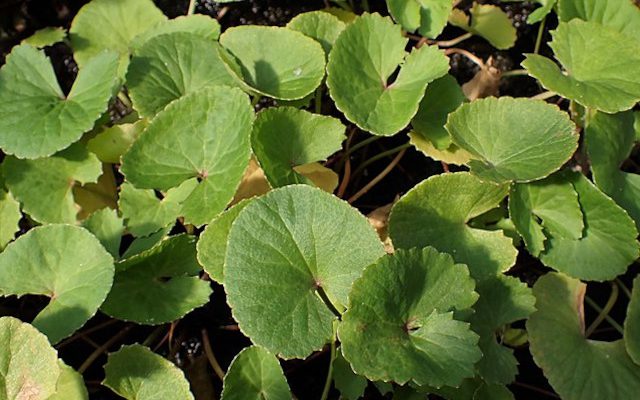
112	142
108	228
576	367
36	118
632	323
202	136
364	58
197	24
429	17
275	62
301	248
488	21
9	217
609	81
436	213
46	37
70	385
65	263
400	317
158	285
513	139
622	15
319	25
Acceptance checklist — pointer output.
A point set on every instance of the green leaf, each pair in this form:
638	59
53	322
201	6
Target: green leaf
488	21
436	213
608	244
159	285
513	139
197	24
622	15
140	244
51	178
576	367
111	24
110	144
46	37
632	323
318	25
276	62
400	317
610	140
171	65
550	204
350	384
70	385
65	263
108	228
602	66
503	300
212	245
136	373
203	135
429	17
36	118
144	213
451	155
28	364
9	217
442	97
255	373
301	248
284	138
540	13
364	58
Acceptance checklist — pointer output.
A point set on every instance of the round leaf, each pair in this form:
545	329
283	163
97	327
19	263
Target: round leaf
203	136
632	323
112	142
436	212
36	118
319	25
159	285
429	17
602	66
284	138
513	139
168	66
63	262
255	374
622	15
364	58
136	373
276	62
70	385
301	248
576	367
28	364
400	317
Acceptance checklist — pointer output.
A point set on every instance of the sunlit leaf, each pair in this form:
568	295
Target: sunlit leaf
9	217
488	21
319	25
429	17
46	37
622	15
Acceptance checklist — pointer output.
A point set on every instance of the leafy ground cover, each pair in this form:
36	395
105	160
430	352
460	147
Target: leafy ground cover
340	199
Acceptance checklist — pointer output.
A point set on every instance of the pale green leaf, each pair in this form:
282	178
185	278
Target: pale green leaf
36	118
197	24
159	285
602	66
364	57
284	138
319	25
436	213
9	217
107	227
171	65
488	21
203	136
110	144
136	373
301	248
513	139
350	384
451	155
276	62
632	323
577	368
70	385
51	178
46	37
65	263
541	13
622	15
28	364
255	373
429	17
400	317
145	243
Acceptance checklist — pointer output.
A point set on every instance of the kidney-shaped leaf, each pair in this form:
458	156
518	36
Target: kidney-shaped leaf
284	138
400	317
136	373
36	118
255	373
622	15
319	25
301	249
513	139
203	136
171	65
602	66
276	62
63	262
429	17
436	212
158	285
576	367
362	61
